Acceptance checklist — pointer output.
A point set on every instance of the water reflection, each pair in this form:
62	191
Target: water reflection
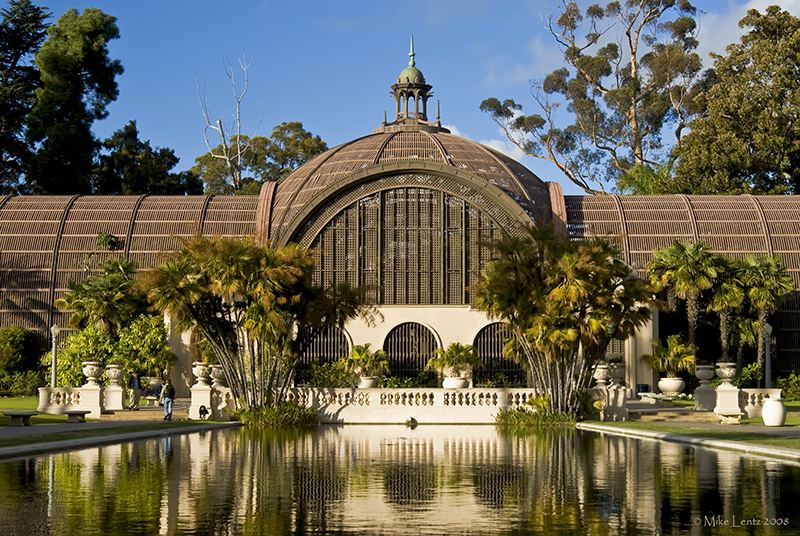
392	480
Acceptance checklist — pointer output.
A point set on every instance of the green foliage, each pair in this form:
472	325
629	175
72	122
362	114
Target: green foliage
563	300
131	167
366	363
107	241
790	387
89	344
748	142
256	307
22	31
19	367
143	346
673	358
334	375
521	420
247	163
395	382
77	84
108	300
455	360
622	94
282	416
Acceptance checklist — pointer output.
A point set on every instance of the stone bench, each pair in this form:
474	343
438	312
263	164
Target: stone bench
76	415
21	418
150	400
656	399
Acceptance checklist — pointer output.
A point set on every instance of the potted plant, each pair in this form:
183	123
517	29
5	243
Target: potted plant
676	356
367	364
454	362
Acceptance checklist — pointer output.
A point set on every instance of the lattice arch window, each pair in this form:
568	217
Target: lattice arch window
496	368
410	245
409	346
328	347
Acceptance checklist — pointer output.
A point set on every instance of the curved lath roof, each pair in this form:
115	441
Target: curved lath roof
297	190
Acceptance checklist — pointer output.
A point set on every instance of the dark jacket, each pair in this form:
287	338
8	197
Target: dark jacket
169	391
134	382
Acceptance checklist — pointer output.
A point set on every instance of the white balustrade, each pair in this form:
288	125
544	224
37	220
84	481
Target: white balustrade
752	400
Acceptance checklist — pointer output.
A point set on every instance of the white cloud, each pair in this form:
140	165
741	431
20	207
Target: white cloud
454	130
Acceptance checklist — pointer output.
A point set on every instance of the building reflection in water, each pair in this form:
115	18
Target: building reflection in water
392	480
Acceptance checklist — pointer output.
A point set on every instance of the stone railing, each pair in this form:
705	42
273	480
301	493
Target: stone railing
398	406
752	400
57	401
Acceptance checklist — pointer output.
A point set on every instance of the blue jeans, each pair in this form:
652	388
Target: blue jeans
168	408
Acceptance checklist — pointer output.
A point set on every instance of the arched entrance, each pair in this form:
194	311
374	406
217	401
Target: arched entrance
409	346
497	370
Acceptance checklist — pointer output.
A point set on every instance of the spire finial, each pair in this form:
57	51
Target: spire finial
411	61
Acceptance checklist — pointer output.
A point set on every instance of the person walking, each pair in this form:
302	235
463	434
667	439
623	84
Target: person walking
168	394
135	385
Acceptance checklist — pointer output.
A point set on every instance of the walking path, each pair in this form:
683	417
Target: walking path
121	421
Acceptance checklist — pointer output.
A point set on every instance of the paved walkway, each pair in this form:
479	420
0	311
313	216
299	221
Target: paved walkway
121	422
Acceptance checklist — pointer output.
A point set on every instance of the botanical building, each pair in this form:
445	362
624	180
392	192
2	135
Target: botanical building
406	210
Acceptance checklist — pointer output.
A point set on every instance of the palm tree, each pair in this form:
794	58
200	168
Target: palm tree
365	362
456	359
255	306
766	282
564	301
673	358
727	295
106	300
684	270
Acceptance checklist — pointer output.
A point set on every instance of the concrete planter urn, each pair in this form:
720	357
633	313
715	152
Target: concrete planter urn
601	375
774	412
114	374
726	372
218	376
616	373
455	383
367	382
704	373
671	386
92	371
201	372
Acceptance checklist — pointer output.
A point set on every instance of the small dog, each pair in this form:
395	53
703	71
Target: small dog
203	413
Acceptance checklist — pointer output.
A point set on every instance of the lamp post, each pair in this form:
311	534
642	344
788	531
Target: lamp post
54	331
767	358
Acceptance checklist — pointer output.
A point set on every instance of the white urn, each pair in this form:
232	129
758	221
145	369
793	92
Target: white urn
92	371
114	373
201	372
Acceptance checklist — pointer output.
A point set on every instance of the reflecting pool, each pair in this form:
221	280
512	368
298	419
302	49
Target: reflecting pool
395	480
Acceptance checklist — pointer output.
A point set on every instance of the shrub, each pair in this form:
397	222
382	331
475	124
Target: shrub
89	344
522	420
19	370
394	382
790	386
334	375
288	415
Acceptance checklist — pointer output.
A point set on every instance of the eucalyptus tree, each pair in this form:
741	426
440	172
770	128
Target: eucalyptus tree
255	306
766	282
564	301
684	270
623	84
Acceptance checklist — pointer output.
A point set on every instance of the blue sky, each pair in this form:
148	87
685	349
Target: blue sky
329	63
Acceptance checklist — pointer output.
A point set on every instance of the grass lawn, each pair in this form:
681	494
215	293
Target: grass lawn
26	403
737	434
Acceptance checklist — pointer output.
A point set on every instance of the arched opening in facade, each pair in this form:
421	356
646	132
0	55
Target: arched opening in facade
409	346
415	246
497	370
327	347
